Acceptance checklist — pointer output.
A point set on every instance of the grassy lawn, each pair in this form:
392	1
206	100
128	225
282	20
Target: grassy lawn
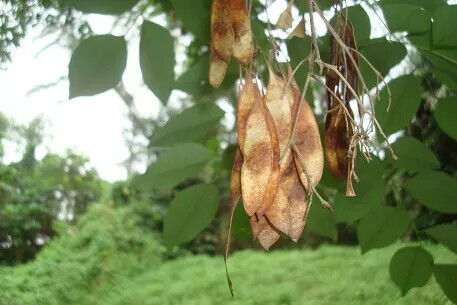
330	275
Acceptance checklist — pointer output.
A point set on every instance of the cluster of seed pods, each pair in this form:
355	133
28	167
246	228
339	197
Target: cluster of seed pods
274	189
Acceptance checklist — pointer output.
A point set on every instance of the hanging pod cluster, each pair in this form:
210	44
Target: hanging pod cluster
267	173
340	142
231	35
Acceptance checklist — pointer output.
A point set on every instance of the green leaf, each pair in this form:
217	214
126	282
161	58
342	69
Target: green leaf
370	192
228	156
445	26
411	267
444	64
406	98
190	125
97	65
361	22
108	7
189	213
446	234
302	5
429	5
195	80
322	221
436	190
241	228
157	60
383	55
445	115
406	17
381	227
414	156
195	17
446	276
174	166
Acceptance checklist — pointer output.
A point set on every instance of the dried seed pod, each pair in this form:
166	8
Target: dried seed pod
235	178
264	231
241	24
222	36
260	170
308	142
217	68
249	93
296	196
285	18
299	30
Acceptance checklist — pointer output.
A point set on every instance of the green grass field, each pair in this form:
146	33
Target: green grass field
330	275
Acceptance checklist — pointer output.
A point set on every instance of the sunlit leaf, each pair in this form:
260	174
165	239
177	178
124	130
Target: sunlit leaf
413	155
174	166
446	234
157	60
97	65
436	190
411	267
189	213
381	227
445	115
446	276
406	98
190	125
108	7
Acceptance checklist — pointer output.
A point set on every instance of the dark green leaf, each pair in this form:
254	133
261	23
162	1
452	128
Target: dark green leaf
383	55
195	79
322	221
446	276
228	156
189	213
413	155
190	125
446	234
445	26
157	60
381	227
411	267
370	192
406	98
109	7
406	17
429	5
435	190
302	5
195	17
174	166
97	65
241	228
444	66
445	115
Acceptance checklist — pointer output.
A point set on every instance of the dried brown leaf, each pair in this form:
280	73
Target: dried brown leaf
264	231
235	178
222	36
241	24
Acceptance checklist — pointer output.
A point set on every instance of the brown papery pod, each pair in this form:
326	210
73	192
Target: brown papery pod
264	231
308	142
278	99
296	196
260	171
299	31
241	24
222	37
285	18
249	93
338	131
217	68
